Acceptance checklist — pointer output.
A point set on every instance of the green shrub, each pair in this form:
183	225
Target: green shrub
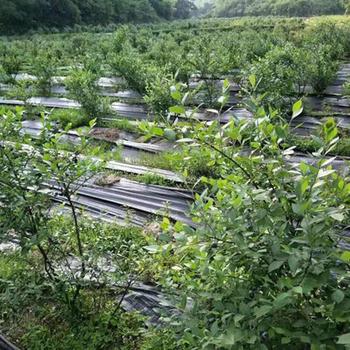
43	67
82	87
263	269
346	88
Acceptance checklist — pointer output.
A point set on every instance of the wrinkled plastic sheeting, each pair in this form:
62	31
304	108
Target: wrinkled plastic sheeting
150	302
6	345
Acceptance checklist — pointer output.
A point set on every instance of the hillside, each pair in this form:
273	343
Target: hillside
18	16
302	8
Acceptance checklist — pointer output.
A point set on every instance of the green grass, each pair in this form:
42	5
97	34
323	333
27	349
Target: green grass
154	179
75	117
306	144
34	314
163	160
121	124
148	179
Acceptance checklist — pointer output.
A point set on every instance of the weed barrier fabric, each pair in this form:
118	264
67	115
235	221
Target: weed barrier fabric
119	199
133	112
147	147
123	167
98	210
6	345
142	170
149	301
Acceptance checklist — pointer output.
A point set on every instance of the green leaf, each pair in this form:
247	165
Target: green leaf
228	340
293	263
344	339
177	110
302	186
170	134
262	311
298	290
252	80
286	340
338	216
297	109
338	296
176	95
92	123
282	300
275	265
222	99
300	208
152	249
345	257
157	131
185	140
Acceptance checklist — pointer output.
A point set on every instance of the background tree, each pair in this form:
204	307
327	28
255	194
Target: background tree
184	9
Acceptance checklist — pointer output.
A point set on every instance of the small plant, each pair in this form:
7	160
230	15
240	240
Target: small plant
83	87
267	244
153	179
346	88
158	96
10	63
44	68
121	124
322	68
23	90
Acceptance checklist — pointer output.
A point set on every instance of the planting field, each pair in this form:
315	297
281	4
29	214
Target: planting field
177	186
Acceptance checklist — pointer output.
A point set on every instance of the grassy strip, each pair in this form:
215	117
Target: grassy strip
34	313
309	145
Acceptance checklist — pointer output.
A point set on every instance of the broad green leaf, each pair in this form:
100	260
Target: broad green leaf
328	162
302	186
338	296
293	263
262	311
300	208
176	95
344	339
275	265
338	216
282	300
324	173
158	131
252	80
286	340
152	249
222	99
298	290
345	257
170	134
177	110
297	109
226	84
228	340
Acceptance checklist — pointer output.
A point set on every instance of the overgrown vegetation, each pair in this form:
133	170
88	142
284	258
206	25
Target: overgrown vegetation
269	242
299	8
18	16
263	260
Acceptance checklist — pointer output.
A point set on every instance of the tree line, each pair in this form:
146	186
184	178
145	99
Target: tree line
18	16
299	8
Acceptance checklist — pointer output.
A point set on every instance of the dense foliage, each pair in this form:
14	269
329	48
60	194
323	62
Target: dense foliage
17	16
265	268
299	8
264	263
